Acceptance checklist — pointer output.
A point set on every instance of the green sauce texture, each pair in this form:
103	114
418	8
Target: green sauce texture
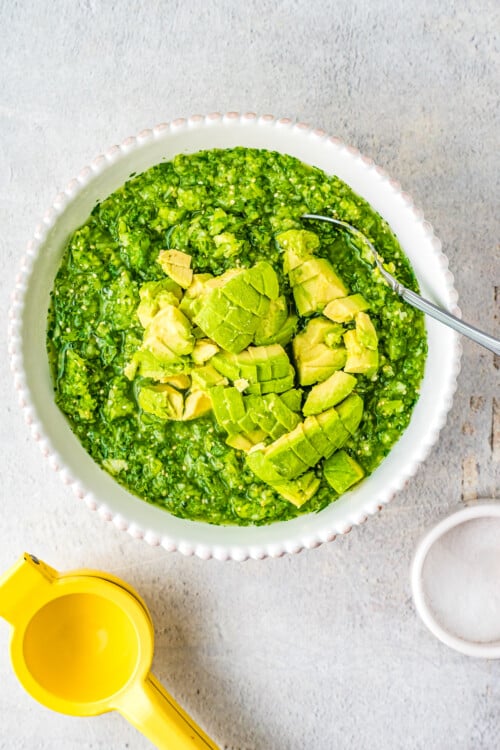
224	208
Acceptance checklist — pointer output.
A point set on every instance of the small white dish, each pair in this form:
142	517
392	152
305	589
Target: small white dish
455	579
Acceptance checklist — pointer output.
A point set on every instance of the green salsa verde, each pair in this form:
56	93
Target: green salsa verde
224	208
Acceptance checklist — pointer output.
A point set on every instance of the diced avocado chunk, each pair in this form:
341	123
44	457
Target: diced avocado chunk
319	286
318	329
314	360
154	295
196	404
163	401
271	414
206	377
303	447
284	458
269	326
266	368
182	381
242	294
297	244
287	331
300	490
334	337
203	350
333	428
331	391
246	441
365	330
169	334
344	309
350	412
263	468
264	279
359	359
189	301
318	437
177	265
276	385
221	411
292	398
342	471
146	364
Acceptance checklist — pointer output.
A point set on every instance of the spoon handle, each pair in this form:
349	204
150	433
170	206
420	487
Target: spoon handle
415	300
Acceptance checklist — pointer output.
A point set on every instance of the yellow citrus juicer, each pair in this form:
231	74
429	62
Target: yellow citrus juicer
83	645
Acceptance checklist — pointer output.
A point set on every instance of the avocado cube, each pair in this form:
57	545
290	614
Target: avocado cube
319	285
257	409
210	315
242	320
304	301
299	491
342	472
206	377
197	404
284	459
176	264
365	330
264	279
280	411
292	398
359	359
333	427
334	337
169	331
204	349
262	467
240	342
162	401
277	385
302	448
245	441
221	411
271	322
318	363
234	402
331	391
227	364
180	381
242	295
350	412
344	309
297	244
317	437
288	330
280	367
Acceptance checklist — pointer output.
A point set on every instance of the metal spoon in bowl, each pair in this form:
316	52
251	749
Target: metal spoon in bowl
489	342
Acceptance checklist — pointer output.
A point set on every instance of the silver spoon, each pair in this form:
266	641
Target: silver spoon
489	342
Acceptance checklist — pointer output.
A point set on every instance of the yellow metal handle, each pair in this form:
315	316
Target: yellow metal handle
24	586
151	710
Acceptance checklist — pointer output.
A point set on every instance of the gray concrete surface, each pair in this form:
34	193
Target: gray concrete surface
322	650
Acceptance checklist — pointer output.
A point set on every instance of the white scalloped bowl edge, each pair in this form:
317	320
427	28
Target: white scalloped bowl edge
29	364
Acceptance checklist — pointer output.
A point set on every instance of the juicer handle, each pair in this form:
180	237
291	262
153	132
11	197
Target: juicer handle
151	710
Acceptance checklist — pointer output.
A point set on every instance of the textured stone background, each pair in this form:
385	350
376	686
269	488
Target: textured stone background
322	650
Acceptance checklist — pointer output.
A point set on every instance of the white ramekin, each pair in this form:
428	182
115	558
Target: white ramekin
71	208
488	509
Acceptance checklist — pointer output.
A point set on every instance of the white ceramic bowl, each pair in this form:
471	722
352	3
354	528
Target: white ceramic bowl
28	325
